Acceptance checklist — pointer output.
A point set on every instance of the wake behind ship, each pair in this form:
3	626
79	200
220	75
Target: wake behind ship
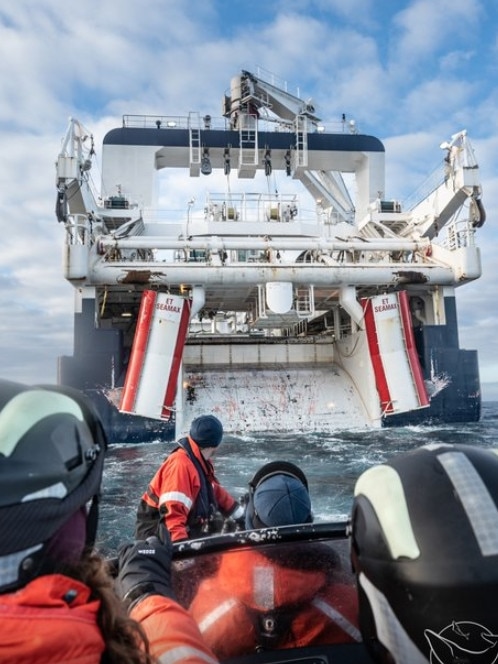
307	298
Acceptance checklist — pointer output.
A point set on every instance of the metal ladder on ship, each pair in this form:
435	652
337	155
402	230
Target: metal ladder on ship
248	145
194	125
301	152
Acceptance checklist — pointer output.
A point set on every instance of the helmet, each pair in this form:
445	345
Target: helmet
424	548
52	448
278	496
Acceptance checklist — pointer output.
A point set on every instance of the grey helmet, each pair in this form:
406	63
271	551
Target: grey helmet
52	447
424	548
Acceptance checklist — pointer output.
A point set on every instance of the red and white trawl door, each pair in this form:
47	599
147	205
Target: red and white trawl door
398	374
156	355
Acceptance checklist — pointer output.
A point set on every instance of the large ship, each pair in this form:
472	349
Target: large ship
310	299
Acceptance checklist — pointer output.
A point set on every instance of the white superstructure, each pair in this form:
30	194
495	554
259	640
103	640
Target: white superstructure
279	276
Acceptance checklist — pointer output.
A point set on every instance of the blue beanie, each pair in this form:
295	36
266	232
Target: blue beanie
280	500
206	431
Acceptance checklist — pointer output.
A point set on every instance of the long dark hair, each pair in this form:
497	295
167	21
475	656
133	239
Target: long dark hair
125	639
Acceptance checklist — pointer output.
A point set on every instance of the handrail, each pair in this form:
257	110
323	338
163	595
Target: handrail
260	537
240	539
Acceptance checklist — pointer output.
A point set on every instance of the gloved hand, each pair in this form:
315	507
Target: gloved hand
144	568
241	523
239	515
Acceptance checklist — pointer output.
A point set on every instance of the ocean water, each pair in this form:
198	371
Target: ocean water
331	462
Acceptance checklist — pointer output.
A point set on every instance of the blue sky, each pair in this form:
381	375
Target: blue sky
409	72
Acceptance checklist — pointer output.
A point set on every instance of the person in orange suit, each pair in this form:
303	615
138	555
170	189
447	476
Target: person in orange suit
184	494
296	599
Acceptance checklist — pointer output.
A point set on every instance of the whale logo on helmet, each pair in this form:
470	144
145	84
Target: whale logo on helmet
462	641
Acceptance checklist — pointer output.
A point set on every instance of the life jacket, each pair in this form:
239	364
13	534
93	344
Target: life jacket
51	620
273	605
204	507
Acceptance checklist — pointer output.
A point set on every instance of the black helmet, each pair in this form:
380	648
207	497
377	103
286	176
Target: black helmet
52	448
425	552
278	496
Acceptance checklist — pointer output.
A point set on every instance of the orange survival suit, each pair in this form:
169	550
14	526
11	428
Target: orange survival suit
52	620
186	493
253	603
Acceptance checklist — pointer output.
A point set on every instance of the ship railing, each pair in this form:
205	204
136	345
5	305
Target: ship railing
77	230
336	329
252	207
304	306
166	122
233	211
459	234
275	80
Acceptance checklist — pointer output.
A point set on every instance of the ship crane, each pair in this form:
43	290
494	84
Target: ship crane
249	93
73	164
461	182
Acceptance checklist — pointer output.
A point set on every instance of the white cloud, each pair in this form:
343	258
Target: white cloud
425	28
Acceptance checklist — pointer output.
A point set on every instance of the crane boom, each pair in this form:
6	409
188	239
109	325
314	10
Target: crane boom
250	93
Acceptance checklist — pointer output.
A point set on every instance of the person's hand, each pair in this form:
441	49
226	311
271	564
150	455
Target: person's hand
144	568
239	514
